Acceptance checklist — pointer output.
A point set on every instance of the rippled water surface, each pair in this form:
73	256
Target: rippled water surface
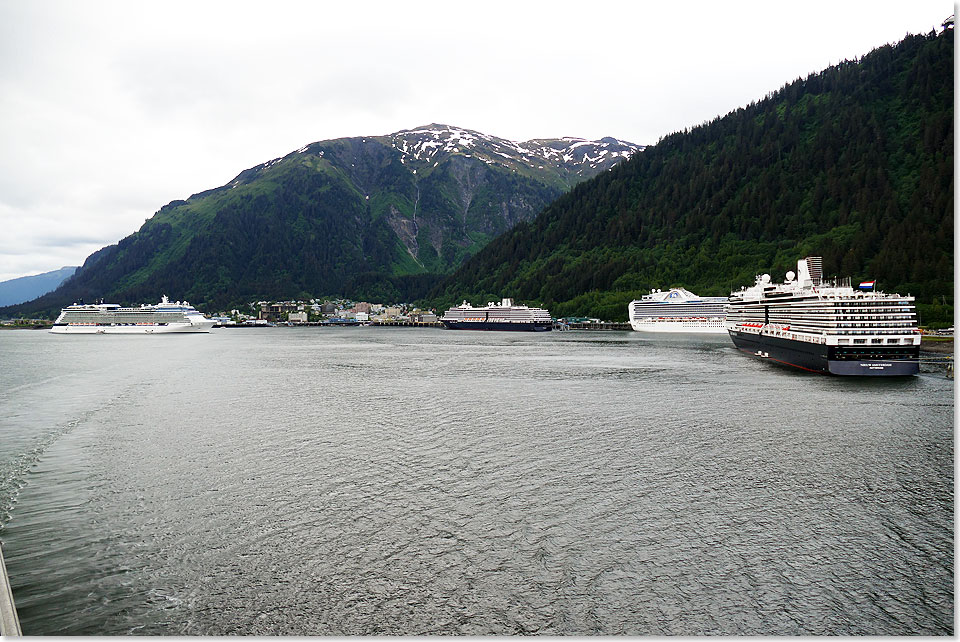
420	481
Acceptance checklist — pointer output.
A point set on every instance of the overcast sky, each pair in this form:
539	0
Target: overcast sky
109	110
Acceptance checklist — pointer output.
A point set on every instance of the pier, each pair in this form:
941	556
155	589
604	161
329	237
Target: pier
418	324
9	623
603	325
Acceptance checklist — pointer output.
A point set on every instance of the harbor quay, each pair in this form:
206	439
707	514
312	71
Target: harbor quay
602	325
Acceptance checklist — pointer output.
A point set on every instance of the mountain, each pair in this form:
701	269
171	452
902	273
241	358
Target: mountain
854	163
375	216
27	288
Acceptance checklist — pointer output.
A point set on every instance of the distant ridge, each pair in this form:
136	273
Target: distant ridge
27	288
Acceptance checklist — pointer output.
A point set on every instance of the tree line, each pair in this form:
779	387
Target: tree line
854	164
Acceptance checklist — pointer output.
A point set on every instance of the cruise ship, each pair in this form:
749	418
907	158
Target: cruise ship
825	327
110	318
494	316
678	310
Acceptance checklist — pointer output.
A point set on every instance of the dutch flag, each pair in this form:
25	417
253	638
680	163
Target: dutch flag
867	285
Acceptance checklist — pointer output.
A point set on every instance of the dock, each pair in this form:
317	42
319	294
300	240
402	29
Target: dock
9	623
589	325
603	325
417	324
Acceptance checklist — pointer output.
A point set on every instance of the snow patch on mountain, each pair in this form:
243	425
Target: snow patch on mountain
424	147
428	144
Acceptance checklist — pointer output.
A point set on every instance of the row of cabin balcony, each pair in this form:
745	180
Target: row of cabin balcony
832	319
901	320
864	326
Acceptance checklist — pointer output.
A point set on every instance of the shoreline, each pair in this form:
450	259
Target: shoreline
935	344
27	326
939	345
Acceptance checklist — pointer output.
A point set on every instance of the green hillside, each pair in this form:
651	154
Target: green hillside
376	217
854	163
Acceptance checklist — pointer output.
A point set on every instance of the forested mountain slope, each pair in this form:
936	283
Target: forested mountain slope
374	217
854	163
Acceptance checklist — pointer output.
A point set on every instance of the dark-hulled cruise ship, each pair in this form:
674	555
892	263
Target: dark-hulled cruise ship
825	327
502	316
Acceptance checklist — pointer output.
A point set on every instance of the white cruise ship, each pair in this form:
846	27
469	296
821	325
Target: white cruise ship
110	318
502	316
826	327
678	310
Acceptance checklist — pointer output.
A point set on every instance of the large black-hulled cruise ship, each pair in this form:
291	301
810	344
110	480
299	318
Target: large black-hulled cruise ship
825	327
503	316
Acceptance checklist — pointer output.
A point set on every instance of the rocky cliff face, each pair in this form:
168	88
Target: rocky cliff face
446	191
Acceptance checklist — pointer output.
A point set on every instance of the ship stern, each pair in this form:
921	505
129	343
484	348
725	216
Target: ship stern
874	368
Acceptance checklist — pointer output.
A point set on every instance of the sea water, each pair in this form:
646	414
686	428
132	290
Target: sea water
379	481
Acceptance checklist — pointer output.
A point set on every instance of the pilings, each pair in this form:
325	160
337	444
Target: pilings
9	623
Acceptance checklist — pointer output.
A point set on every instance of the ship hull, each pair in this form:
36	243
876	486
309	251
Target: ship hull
488	325
684	327
815	357
170	328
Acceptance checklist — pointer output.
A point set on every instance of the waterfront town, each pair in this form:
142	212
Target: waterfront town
318	311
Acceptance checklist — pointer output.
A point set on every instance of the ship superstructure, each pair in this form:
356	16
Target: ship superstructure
110	318
494	316
825	327
678	310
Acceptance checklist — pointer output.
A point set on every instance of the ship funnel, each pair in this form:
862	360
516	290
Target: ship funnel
506	303
815	263
810	271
